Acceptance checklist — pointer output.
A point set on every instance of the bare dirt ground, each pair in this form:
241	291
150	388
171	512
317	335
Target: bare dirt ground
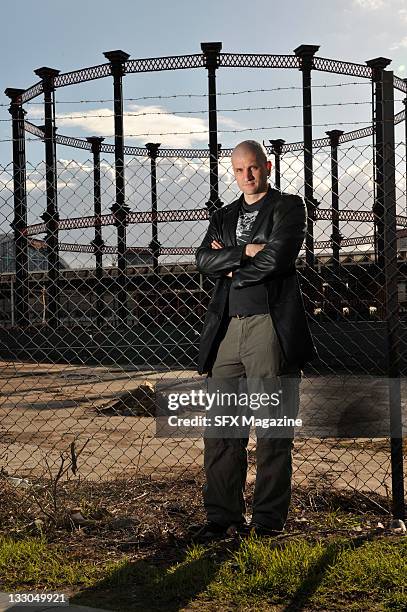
146	524
138	494
46	407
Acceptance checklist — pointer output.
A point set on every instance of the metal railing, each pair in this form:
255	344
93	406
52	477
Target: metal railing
101	299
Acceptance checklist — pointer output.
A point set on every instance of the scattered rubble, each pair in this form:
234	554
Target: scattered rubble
139	402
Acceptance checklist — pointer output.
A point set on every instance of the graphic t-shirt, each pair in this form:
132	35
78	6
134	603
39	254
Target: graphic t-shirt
249	300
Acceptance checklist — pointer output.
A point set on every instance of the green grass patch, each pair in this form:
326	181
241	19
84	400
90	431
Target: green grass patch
336	574
333	574
33	562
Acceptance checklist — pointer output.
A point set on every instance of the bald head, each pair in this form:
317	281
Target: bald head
250	146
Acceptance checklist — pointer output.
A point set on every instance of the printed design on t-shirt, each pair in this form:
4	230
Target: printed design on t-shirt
244	226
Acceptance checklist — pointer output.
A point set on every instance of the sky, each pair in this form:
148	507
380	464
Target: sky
170	107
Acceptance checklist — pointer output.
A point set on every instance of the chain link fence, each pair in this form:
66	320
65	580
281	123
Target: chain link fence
89	383
101	301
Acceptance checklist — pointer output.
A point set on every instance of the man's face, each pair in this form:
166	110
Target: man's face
251	174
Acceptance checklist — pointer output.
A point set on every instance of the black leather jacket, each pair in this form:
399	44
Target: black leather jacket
281	224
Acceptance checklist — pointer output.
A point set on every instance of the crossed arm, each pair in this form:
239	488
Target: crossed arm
250	250
217	261
251	264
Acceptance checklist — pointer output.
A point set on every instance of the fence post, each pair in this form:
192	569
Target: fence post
211	52
377	65
119	209
51	215
391	293
277	149
98	243
306	54
152	151
335	289
20	309
405	135
336	235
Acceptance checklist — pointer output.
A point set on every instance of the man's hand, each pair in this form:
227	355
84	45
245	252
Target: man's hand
216	245
252	249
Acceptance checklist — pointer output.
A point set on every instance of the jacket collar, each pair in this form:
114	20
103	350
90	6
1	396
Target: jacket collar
233	215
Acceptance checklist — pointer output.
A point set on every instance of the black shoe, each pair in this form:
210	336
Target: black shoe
213	531
259	531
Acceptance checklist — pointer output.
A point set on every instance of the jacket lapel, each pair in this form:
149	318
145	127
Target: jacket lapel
264	212
233	216
231	222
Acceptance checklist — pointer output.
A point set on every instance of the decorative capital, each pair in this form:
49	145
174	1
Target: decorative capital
98	244
306	54
277	146
154	245
117	60
377	65
378	62
50	217
211	52
42	128
96	142
116	56
14	94
152	149
120	213
47	75
334	136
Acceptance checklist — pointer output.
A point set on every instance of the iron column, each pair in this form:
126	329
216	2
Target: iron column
392	306
51	216
378	65
98	242
277	146
119	209
152	151
19	224
211	52
334	136
405	134
306	53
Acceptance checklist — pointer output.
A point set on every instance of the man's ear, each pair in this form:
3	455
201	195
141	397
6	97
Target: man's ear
269	166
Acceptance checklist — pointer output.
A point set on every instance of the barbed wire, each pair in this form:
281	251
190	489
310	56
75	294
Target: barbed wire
203	111
236	131
204	95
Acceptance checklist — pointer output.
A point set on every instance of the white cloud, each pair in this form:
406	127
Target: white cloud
143	124
32	185
403	15
33	112
228	122
370	5
390	5
401	44
41	185
73	165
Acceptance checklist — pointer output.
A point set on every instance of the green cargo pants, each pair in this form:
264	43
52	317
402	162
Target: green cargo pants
250	349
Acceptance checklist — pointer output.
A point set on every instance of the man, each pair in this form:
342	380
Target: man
255	327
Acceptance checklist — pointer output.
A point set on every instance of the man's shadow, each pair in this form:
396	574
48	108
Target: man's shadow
147	585
164	581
